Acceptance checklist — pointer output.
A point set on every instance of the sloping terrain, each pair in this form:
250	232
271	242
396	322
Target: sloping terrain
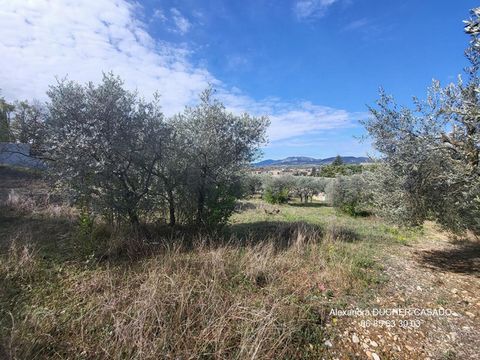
433	273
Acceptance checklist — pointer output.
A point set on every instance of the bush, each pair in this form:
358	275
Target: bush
348	194
220	206
273	196
277	189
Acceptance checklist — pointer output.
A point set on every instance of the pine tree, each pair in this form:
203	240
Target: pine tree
338	161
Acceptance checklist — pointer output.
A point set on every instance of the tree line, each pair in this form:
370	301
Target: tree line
351	194
117	155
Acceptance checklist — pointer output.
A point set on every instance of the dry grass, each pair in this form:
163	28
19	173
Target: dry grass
262	289
21	258
20	203
203	300
43	205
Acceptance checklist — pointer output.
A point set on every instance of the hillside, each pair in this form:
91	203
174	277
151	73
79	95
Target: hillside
305	160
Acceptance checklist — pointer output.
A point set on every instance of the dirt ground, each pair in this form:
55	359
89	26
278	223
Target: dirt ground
436	273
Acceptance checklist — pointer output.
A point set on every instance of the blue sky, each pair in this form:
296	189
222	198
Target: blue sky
311	65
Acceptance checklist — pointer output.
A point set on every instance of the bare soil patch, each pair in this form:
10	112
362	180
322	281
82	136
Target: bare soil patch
434	273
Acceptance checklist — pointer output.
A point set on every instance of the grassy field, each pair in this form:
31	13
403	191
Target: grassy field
260	288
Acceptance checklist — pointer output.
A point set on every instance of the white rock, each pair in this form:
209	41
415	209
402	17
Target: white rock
355	339
328	343
375	356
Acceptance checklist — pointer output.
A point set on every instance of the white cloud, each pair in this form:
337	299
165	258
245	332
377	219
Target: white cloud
81	38
305	9
158	14
356	24
182	25
292	119
237	62
308	118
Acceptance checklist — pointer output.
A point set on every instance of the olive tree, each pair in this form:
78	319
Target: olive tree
27	126
348	193
104	142
306	187
171	173
218	146
431	152
276	189
253	183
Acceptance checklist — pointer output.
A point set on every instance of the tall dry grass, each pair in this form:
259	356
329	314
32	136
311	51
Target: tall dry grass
208	299
44	204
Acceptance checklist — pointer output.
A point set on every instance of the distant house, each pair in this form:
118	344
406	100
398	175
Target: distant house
15	154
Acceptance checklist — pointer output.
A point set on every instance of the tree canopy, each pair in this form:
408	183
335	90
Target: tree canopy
431	152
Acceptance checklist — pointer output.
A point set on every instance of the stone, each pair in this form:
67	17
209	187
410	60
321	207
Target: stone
375	356
328	343
355	339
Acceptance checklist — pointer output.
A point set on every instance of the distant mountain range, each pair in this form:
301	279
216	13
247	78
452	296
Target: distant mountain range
305	160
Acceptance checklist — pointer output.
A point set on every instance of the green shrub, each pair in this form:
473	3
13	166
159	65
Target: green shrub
220	207
276	189
348	194
276	196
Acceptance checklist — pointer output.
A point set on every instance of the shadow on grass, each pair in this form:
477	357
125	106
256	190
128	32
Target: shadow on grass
281	234
43	232
309	205
363	213
246	205
463	258
61	240
127	247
